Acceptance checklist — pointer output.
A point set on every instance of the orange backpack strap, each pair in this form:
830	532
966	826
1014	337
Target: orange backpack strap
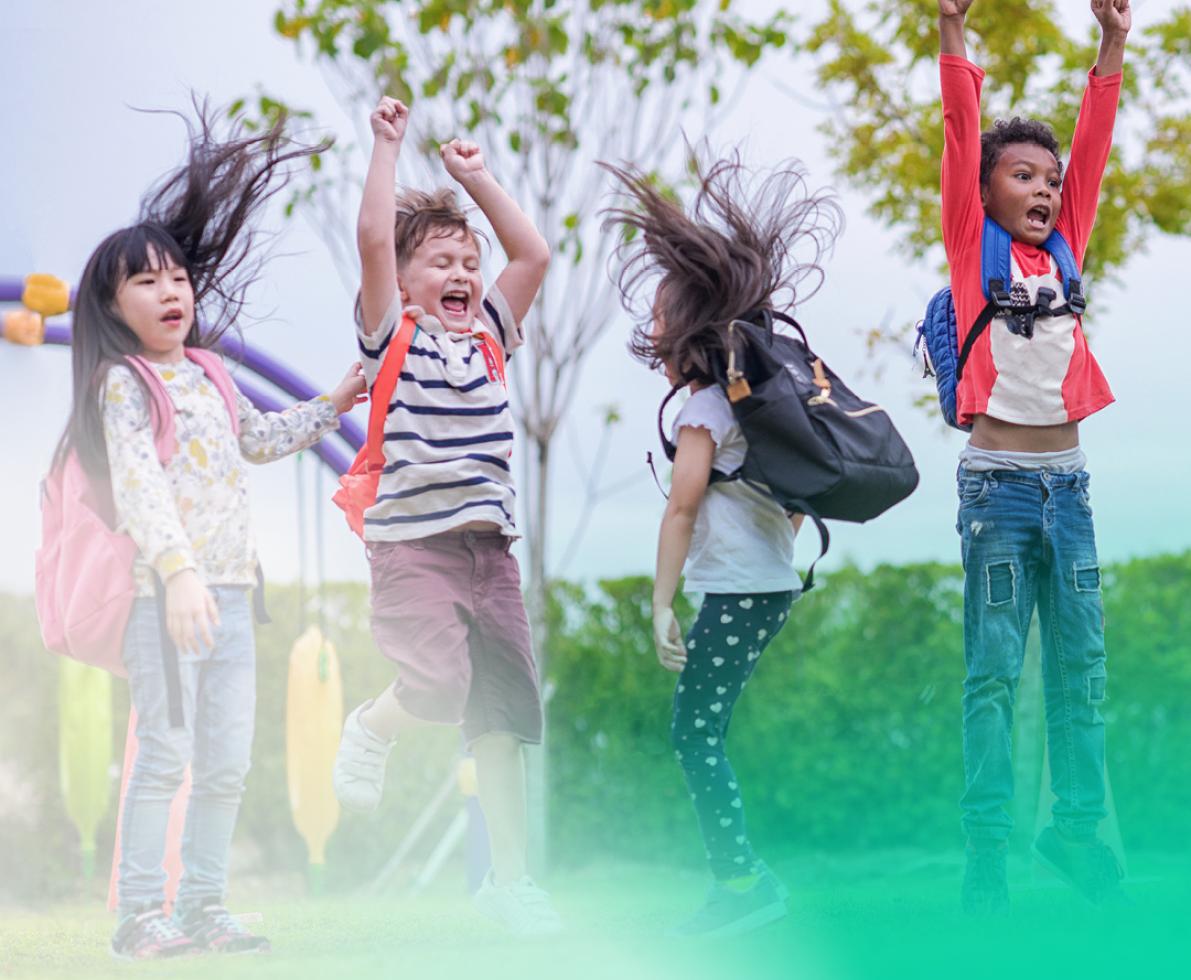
494	356
383	388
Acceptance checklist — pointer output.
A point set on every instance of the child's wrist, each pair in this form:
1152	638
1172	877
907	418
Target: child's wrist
383	147
475	179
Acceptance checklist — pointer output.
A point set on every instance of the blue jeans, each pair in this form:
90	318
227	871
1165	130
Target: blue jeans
218	704
1028	540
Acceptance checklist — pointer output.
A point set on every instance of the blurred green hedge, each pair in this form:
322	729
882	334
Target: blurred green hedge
846	739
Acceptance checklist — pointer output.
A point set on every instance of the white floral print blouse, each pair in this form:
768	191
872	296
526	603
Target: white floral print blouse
193	512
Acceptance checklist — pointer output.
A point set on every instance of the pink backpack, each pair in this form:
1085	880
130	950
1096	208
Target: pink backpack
84	583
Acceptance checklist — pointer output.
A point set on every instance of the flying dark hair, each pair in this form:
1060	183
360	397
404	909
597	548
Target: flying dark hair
1016	130
730	254
200	217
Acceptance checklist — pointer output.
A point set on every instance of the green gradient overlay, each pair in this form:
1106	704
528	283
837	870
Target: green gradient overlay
847	745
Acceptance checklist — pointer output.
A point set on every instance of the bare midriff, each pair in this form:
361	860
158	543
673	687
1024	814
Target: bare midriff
990	433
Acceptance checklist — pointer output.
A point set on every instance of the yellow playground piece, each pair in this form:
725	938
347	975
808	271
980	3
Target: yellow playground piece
85	749
313	722
46	294
24	327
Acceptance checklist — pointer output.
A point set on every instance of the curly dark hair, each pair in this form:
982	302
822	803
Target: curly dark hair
1015	130
729	255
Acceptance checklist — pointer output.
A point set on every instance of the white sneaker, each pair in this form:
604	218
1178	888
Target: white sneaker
522	907
359	773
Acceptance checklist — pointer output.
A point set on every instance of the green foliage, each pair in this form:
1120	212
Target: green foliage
527	69
847	739
878	58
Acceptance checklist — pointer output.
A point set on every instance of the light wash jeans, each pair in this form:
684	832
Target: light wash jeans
215	740
1028	540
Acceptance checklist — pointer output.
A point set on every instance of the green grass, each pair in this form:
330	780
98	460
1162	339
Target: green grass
885	916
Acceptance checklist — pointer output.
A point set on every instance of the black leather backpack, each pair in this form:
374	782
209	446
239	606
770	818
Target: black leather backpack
813	445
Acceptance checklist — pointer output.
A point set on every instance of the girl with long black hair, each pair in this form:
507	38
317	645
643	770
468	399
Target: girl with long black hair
189	257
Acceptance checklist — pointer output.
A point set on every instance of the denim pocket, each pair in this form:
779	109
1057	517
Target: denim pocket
974	490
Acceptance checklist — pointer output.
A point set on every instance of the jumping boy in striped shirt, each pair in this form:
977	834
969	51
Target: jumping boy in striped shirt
446	594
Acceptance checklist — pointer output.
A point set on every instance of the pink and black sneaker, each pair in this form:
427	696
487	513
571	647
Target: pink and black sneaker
214	929
150	934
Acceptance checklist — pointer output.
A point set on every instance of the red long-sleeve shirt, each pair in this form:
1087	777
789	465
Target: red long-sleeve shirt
1052	377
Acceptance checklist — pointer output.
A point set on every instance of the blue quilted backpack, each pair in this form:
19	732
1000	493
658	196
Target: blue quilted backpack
938	335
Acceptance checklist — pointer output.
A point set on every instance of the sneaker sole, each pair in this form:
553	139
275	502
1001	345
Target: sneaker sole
495	917
738	927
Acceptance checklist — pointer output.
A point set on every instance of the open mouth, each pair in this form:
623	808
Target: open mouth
172	317
1038	217
455	302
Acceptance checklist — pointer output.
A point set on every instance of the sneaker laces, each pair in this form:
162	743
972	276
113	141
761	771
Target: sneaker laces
218	917
159	927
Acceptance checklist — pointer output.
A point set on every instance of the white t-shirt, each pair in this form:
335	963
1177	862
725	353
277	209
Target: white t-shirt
742	541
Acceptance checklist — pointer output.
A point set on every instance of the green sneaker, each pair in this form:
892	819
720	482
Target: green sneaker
985	890
1090	867
726	912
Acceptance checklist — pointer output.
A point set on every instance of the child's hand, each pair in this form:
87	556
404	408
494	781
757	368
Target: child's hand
388	120
351	391
1115	16
667	640
462	159
954	8
190	612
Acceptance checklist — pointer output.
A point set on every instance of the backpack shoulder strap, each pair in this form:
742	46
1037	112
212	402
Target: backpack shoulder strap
1064	257
383	388
213	366
667	446
494	355
995	262
161	409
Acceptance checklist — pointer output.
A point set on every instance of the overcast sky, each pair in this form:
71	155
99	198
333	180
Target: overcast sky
76	159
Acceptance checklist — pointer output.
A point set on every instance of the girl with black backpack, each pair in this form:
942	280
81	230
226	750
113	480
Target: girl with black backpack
730	255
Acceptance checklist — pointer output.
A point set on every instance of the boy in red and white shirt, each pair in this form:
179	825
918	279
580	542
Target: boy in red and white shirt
1024	517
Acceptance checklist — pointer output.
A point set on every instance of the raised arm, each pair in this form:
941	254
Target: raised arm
1092	140
951	27
527	251
378	211
960	82
1116	18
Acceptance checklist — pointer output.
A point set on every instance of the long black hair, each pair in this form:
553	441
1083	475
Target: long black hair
733	252
198	217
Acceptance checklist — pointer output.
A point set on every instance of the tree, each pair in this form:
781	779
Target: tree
547	89
877	58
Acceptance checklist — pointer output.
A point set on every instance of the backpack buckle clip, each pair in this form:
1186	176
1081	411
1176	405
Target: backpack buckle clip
998	294
1076	300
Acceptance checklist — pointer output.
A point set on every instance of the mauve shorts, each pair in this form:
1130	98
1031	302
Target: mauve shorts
448	611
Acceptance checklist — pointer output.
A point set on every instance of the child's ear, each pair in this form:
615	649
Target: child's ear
984	195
